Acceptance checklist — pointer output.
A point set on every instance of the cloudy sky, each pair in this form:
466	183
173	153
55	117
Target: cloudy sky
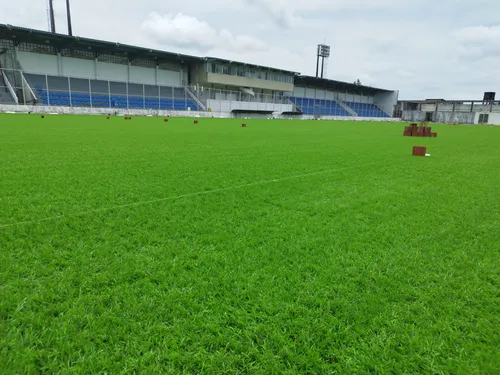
440	48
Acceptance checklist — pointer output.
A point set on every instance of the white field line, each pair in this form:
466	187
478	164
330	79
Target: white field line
264	182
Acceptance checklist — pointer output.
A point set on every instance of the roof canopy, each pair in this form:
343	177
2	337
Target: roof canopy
229	62
21	34
338	86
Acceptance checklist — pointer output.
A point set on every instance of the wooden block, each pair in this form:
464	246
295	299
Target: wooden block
165	120
243	125
434	135
107	117
195	121
419	150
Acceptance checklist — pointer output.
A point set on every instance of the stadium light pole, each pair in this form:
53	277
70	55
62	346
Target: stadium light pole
68	13
51	16
317	64
322	52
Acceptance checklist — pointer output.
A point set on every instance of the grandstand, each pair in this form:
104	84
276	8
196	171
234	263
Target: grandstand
39	68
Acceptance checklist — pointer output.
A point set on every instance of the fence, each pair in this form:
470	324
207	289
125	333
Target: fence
248	96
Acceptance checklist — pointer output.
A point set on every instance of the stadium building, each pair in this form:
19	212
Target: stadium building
486	111
47	72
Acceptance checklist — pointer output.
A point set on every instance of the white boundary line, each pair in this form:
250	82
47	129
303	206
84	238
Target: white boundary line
183	196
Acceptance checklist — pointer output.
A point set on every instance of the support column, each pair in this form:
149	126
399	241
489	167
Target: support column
69	91
60	67
47	88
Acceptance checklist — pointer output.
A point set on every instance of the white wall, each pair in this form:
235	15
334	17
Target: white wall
168	78
386	101
310	93
38	63
112	72
80	68
493	118
6	108
298	92
142	75
228	106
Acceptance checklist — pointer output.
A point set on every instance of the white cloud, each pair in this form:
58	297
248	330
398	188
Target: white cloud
478	34
189	32
479	41
278	10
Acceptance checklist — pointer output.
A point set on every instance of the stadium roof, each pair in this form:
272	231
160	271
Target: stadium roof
22	34
224	61
336	85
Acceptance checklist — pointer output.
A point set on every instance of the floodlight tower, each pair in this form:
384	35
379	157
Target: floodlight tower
322	52
52	21
68	13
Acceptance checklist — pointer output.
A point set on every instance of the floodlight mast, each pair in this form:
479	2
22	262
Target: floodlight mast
322	52
68	13
52	20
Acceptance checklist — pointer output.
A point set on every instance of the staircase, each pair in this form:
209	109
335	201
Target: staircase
384	111
14	79
199	103
347	108
6	91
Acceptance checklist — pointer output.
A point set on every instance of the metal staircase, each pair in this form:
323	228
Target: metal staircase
7	95
346	107
195	98
14	80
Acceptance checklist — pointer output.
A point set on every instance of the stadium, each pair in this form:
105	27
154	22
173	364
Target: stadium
164	213
59	72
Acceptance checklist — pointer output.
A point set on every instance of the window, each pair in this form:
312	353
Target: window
111	59
483	118
37	48
234	71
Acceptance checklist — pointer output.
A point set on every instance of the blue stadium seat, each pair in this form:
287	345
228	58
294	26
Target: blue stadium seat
114	101
325	107
367	110
319	107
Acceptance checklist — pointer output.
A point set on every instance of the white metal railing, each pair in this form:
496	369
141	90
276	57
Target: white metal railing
9	87
27	87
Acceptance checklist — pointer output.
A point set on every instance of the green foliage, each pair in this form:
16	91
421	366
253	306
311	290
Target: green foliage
287	247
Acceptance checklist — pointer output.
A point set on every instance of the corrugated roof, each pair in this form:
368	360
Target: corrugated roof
337	85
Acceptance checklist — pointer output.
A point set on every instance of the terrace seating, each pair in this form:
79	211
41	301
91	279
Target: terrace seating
367	110
113	101
319	107
80	94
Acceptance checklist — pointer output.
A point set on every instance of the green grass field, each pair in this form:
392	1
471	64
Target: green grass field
287	247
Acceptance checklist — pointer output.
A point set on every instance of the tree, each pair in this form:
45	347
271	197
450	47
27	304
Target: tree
357	82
